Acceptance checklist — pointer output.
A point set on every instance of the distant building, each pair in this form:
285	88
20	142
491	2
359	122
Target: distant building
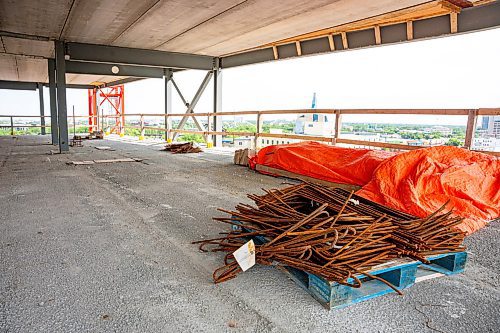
439	129
243	142
486	144
314	124
484	123
492	126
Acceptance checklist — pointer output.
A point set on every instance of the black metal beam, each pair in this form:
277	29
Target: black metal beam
141	57
122	81
469	20
18	85
62	112
96	68
42	108
54	127
74	86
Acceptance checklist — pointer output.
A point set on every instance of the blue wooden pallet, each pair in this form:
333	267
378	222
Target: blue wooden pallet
402	273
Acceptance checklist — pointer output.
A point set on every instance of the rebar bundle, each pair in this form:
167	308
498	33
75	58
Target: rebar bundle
330	233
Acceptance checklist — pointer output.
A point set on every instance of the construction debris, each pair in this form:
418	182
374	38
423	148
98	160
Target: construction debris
76	141
330	233
118	160
104	148
182	148
241	156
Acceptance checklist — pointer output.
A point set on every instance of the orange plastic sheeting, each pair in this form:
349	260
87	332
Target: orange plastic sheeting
313	159
420	181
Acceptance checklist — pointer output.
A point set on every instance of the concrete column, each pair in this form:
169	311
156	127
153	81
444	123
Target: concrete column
42	111
217	102
168	103
62	111
53	104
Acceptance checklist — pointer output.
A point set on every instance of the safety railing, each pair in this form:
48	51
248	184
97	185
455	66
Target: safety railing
471	114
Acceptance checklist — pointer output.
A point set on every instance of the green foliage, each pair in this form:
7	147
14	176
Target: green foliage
455	142
240	128
191	137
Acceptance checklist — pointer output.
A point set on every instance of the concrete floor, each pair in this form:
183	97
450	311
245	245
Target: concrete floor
106	248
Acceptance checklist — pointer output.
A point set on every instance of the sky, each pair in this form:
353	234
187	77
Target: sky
461	71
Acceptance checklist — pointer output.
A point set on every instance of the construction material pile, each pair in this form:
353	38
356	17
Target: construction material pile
182	148
330	233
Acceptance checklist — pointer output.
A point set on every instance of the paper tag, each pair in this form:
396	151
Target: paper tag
245	255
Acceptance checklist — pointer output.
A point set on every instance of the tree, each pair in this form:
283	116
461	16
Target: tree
454	142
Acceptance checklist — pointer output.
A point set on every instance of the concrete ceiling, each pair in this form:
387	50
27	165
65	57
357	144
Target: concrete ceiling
209	27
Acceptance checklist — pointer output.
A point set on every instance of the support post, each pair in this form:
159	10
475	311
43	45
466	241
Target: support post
259	123
61	97
471	128
194	101
42	111
141	137
217	102
168	104
12	126
54	131
338	126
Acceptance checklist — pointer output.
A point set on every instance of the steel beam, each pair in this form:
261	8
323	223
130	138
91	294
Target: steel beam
54	130
168	80
78	67
17	85
196	98
74	86
142	57
217	107
469	20
119	82
62	112
42	108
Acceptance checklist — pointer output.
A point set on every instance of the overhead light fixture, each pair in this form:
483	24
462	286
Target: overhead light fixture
115	69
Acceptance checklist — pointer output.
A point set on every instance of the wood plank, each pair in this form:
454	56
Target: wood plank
471	128
378	144
338	125
418	12
453	23
378	38
331	43
288	174
345	43
299	49
457	112
298	137
451	112
409	30
275	52
488	112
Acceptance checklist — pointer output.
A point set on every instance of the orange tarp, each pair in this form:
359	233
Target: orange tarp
417	182
317	160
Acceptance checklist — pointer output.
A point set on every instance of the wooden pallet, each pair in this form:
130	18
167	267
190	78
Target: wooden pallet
287	174
402	273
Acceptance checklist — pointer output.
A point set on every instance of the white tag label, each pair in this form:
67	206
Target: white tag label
245	255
